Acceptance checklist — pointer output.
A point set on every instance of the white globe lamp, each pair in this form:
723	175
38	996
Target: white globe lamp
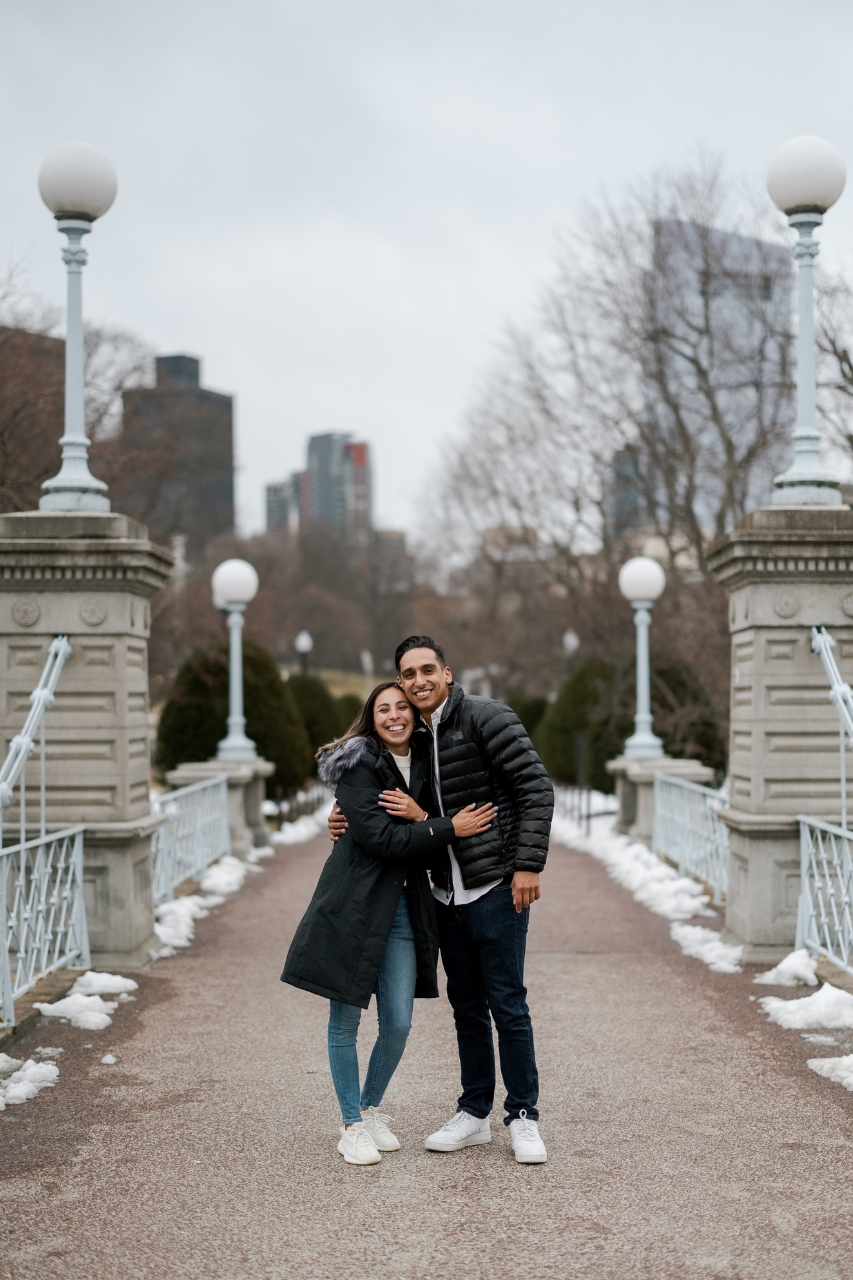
303	644
78	184
642	581
235	584
805	177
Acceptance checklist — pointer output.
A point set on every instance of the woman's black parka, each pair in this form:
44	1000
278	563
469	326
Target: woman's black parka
338	947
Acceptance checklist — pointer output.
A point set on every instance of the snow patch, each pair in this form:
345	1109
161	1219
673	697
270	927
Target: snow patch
108	1060
305	828
90	1013
27	1081
103	984
839	1070
707	946
797	969
175	925
227	875
816	1039
631	864
8	1064
829	1007
263	851
49	1051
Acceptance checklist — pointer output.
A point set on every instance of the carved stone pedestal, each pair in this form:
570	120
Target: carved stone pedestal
635	789
89	576
245	793
786	569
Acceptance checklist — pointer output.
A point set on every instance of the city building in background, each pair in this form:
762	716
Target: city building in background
173	467
334	490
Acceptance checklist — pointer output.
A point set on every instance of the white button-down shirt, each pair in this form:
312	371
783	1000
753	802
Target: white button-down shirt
459	893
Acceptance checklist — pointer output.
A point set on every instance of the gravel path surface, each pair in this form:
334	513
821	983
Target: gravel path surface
686	1136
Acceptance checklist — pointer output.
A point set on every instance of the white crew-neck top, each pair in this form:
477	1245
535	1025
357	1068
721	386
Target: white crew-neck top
404	764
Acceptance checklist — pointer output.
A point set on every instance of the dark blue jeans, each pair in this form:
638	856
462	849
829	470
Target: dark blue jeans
482	949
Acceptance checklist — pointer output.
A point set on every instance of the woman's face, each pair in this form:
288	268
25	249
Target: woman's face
393	718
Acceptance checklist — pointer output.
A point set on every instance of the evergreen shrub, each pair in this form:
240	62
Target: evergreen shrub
317	707
583	710
195	717
529	711
349	705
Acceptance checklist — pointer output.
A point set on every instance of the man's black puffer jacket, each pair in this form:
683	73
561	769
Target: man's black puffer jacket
485	754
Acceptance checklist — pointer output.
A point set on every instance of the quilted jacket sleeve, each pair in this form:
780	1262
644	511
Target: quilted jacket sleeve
378	834
519	771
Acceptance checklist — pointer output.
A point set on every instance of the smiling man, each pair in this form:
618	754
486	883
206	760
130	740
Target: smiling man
484	888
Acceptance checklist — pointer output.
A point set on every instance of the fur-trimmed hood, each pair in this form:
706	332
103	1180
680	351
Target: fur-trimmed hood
334	764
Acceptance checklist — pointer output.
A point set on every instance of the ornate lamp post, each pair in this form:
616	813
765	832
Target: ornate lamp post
303	644
234	584
805	177
641	581
78	184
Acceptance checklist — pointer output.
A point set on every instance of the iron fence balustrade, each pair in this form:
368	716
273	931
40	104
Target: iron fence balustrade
582	804
688	832
42	908
195	833
825	909
841	695
42	911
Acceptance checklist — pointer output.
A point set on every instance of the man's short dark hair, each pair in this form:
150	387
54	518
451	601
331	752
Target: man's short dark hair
418	642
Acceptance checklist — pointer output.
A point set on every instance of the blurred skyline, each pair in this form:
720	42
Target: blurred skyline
339	205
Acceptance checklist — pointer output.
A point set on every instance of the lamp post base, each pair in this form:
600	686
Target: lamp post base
236	747
74	500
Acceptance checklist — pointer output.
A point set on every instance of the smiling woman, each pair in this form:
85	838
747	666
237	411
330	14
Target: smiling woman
370	927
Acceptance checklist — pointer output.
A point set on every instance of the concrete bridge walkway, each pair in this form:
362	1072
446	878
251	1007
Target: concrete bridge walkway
686	1137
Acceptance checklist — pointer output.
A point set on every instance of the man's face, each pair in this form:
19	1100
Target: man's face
423	680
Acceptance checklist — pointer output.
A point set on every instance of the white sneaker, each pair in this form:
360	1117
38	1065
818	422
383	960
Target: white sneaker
376	1125
462	1131
356	1145
526	1142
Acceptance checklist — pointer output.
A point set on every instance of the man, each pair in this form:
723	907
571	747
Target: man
483	889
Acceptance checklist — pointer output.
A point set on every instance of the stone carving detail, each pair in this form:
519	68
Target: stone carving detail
93	612
786	604
26	612
847	604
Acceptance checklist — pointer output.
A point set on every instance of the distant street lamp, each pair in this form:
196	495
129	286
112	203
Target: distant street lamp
234	584
641	581
78	184
805	177
303	644
571	642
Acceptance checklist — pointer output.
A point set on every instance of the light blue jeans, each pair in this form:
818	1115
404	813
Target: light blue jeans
395	995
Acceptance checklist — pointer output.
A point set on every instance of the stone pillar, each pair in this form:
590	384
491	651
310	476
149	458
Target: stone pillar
786	569
635	789
90	576
245	793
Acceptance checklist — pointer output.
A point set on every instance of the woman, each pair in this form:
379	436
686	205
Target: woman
370	927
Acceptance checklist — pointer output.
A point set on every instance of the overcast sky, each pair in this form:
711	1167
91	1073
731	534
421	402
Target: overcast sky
339	204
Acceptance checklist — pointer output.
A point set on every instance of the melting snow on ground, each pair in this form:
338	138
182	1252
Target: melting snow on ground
797	969
631	864
839	1070
175	925
305	828
707	946
90	1013
20	1081
227	875
103	984
829	1007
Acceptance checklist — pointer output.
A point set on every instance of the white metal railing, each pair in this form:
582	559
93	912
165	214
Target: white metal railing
42	909
841	695
43	912
195	833
688	832
825	909
581	804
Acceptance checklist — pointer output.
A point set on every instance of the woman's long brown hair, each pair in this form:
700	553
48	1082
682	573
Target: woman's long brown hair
362	726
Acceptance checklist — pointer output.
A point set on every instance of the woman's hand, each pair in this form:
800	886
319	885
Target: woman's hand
471	822
399	805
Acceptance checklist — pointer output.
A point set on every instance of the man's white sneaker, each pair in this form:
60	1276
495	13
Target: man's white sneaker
376	1125
526	1142
356	1145
462	1131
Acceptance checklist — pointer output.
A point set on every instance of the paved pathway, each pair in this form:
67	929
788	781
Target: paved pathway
686	1137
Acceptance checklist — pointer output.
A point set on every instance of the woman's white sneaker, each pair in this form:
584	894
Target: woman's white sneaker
376	1125
462	1131
526	1142
356	1145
